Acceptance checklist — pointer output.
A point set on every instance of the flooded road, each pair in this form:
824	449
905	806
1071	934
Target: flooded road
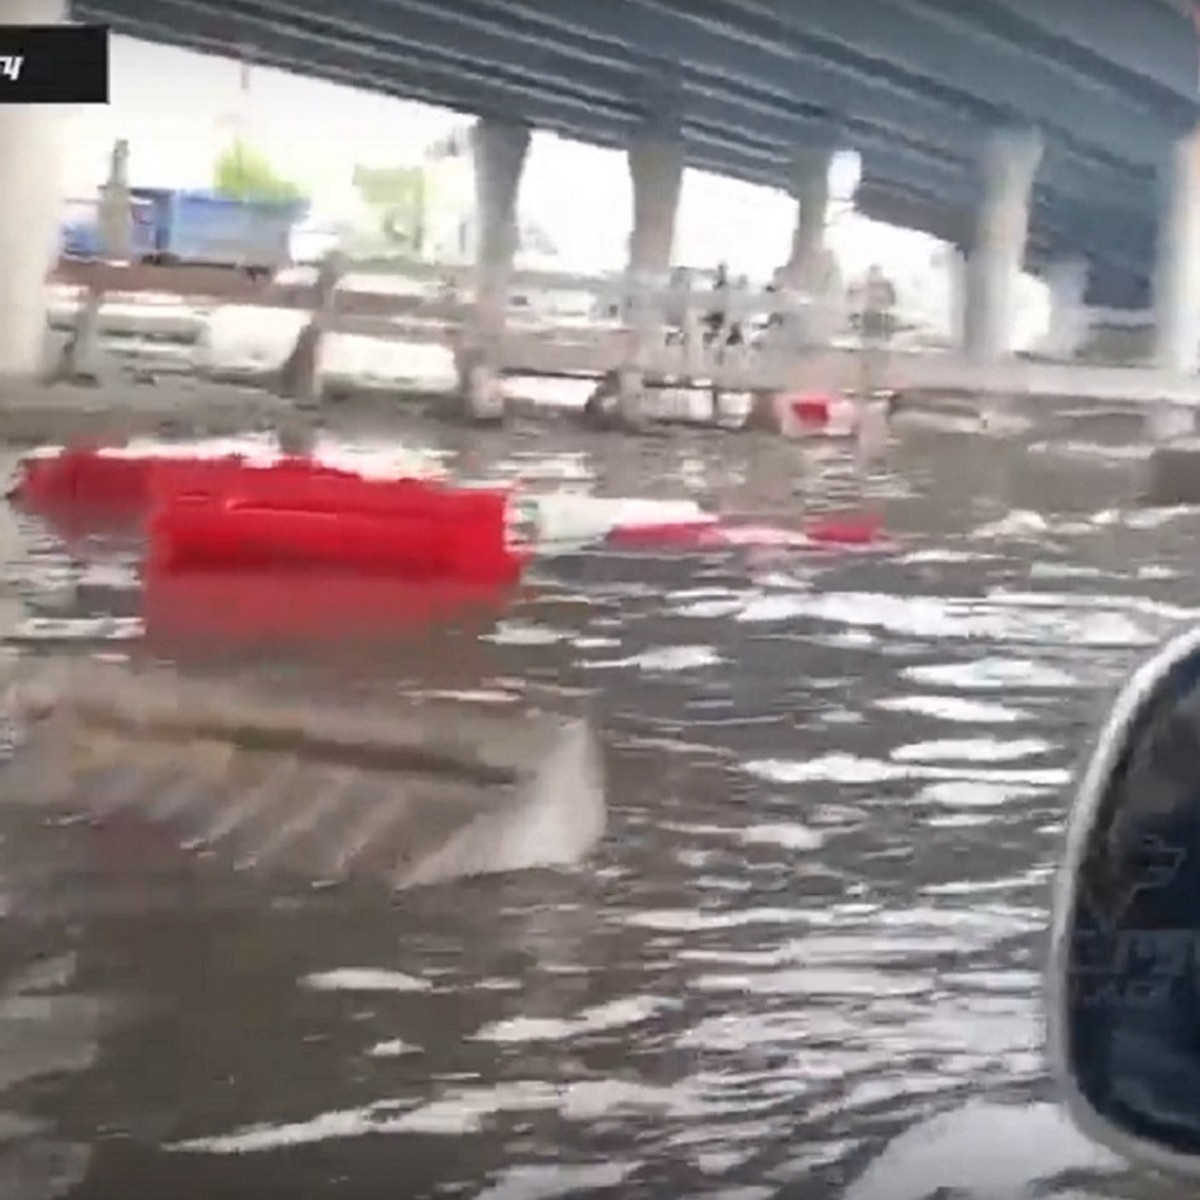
805	961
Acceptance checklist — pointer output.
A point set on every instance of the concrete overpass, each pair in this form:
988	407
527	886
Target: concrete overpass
1058	134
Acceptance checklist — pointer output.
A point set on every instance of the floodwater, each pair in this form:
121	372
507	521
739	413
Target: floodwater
805	960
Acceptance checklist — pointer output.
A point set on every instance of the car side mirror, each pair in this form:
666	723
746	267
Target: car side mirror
1123	985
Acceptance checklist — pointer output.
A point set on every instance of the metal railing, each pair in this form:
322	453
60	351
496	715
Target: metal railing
359	297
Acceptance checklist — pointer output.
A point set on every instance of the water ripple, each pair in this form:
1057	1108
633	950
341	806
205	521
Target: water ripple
936	618
805	960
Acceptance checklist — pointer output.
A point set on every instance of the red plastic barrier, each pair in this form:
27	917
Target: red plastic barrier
856	530
820	413
227	513
406	528
89	489
264	608
673	533
814	409
82	478
113	488
299	485
233	478
224	512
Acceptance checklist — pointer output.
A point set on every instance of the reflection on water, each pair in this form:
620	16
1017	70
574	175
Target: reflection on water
805	960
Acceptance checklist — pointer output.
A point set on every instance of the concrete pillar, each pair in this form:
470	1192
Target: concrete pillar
500	150
656	170
1177	273
810	186
31	144
1008	163
1067	283
956	295
807	274
656	161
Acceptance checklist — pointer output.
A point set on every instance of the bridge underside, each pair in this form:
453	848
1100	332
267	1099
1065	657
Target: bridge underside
913	85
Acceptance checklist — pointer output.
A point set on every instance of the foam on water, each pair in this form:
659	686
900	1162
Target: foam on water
990	673
363	979
936	618
985	750
849	769
955	709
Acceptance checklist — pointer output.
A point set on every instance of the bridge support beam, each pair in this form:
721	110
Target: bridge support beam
1177	271
500	150
656	161
1067	283
31	159
1008	164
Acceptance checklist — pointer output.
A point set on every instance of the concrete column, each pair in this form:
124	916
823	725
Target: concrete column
499	150
956	295
810	186
656	170
1008	163
31	145
656	160
1177	273
806	272
1067	283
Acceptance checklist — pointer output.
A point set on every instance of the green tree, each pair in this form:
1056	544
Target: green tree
400	198
244	173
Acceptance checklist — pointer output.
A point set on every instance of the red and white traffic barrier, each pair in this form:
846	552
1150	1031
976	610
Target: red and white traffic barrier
818	414
239	512
851	531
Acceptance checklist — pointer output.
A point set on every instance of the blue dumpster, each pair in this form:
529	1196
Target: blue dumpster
203	227
198	227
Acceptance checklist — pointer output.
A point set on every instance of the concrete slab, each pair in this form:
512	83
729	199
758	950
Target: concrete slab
405	792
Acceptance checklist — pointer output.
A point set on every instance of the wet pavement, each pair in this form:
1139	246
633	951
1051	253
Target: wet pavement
805	961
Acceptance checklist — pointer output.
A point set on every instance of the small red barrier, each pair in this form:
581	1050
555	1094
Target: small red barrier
86	478
821	412
228	513
104	487
406	528
855	530
813	409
